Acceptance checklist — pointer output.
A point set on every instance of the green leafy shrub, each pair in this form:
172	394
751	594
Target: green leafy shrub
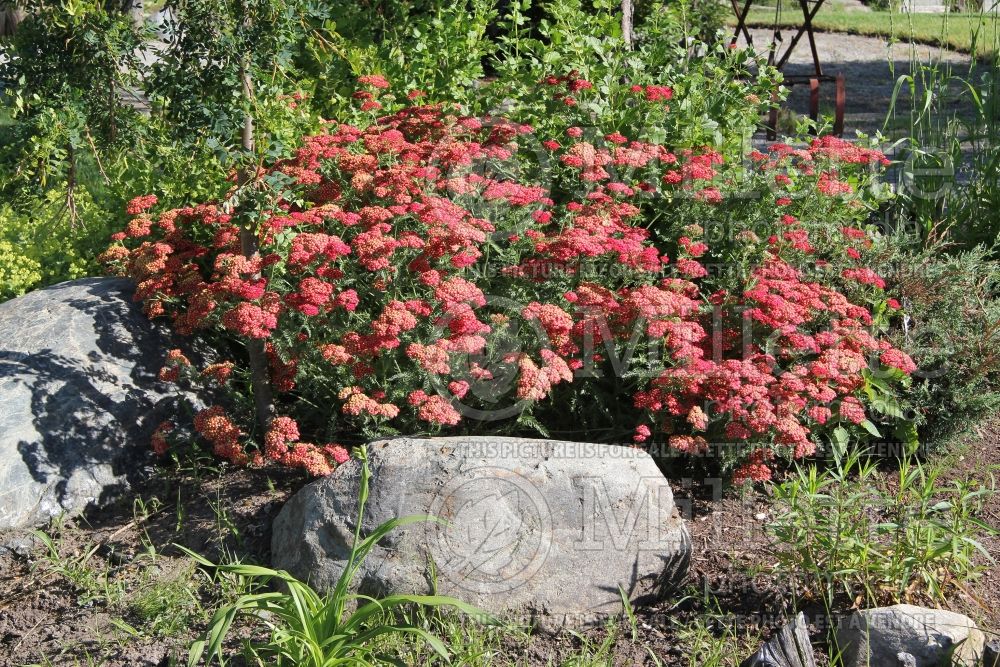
720	93
952	331
443	52
18	273
46	247
68	61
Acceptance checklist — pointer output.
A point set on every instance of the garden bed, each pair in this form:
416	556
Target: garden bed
137	601
521	222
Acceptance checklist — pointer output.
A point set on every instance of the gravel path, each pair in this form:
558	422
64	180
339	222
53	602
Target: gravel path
871	67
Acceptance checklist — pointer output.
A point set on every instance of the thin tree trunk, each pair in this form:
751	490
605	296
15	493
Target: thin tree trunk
10	16
71	184
112	109
256	350
248	143
628	10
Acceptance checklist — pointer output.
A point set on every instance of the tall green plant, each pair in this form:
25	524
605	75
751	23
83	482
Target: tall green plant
846	531
951	151
307	629
942	259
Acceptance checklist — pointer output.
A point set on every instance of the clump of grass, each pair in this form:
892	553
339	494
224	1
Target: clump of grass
166	607
91	583
849	530
469	643
712	641
307	629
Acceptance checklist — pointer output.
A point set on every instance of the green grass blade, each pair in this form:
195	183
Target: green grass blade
369	610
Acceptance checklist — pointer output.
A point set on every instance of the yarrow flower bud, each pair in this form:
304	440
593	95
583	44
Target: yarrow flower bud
141	204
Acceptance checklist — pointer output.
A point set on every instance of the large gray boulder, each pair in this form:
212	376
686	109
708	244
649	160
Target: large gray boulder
78	398
932	637
541	531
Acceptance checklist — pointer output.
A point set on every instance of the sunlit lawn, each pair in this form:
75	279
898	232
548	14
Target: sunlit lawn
969	33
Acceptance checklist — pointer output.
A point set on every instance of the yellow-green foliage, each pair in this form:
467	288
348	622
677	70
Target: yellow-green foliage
18	273
47	245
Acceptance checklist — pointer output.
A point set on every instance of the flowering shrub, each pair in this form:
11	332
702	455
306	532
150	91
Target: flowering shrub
437	272
518	56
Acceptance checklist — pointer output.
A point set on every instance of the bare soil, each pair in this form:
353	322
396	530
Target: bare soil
46	614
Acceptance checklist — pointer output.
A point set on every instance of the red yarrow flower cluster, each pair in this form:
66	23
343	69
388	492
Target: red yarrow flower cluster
383	291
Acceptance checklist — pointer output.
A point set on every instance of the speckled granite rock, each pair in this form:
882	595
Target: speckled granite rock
931	637
539	530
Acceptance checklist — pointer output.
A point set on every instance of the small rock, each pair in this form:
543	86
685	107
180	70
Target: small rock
21	545
991	653
930	636
116	553
789	648
541	530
